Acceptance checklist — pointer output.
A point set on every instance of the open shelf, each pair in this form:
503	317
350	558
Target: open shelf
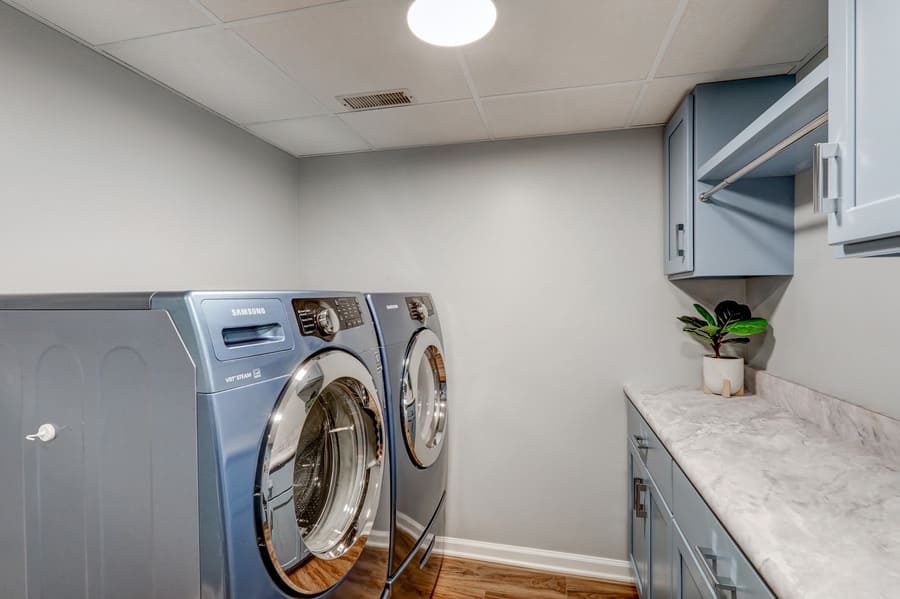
802	104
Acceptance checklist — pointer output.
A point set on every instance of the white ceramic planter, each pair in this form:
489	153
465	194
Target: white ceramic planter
723	376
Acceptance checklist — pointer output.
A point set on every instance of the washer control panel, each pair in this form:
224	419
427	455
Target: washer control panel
420	307
324	317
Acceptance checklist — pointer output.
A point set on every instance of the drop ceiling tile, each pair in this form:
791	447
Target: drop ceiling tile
357	46
561	111
662	96
103	21
221	71
715	35
538	44
309	136
232	10
417	125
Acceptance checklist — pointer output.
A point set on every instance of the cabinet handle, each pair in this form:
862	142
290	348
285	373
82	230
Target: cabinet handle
640	442
707	557
45	433
637	493
679	239
824	159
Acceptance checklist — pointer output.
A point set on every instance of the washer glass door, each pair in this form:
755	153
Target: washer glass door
320	473
423	398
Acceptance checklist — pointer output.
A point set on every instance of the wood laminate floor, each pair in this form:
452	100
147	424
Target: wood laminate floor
468	579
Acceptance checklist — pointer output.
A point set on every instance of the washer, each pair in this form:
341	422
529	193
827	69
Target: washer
214	444
409	334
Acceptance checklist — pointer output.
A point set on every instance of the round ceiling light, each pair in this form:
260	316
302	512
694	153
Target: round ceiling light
451	22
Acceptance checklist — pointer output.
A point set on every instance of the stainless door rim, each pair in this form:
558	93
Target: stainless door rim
346	521
424	444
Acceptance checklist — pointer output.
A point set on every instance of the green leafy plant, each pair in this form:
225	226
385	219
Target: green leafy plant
731	318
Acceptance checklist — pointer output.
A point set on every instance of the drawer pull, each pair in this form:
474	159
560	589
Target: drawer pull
640	442
638	505
710	562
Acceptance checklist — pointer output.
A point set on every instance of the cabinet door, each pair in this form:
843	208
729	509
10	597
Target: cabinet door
860	168
661	526
688	581
679	190
639	524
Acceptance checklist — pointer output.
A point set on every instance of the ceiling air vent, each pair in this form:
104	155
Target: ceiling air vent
385	99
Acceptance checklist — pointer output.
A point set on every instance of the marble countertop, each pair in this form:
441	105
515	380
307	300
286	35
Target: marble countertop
815	508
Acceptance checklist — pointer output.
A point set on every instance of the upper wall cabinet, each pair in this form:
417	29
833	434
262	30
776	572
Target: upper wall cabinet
746	229
856	171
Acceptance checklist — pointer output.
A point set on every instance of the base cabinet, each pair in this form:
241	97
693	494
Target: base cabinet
639	524
679	549
661	529
688	581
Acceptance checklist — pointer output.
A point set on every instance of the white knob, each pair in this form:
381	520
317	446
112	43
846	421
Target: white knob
45	433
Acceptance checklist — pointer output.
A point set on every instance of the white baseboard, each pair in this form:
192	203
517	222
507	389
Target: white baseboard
572	564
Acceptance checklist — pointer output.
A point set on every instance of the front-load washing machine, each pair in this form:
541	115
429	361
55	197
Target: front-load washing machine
415	375
194	444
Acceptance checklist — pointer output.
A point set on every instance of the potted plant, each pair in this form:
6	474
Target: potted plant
732	323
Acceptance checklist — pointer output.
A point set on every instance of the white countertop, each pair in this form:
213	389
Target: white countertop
817	513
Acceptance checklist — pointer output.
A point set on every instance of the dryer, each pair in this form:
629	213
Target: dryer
415	378
196	444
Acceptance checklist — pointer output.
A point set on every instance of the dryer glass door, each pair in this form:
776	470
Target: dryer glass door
423	398
320	472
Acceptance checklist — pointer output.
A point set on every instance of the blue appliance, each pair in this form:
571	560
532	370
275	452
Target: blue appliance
415	379
214	444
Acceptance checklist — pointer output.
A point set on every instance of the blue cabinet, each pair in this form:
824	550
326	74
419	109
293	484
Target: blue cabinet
639	523
679	190
679	549
744	230
856	170
661	530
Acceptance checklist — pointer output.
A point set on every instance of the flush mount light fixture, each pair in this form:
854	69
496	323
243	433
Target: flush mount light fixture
451	22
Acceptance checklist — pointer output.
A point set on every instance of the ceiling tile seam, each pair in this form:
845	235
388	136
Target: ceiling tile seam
268	18
477	141
299	84
667	38
674	23
476	97
352	129
149	36
47	23
216	23
564	89
632	114
347	112
209	14
735	72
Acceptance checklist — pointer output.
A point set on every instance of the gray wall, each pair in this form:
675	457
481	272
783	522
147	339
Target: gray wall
545	259
835	324
110	182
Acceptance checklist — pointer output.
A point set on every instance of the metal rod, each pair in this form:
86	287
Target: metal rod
765	156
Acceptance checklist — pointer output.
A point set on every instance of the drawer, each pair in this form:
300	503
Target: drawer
722	562
652	452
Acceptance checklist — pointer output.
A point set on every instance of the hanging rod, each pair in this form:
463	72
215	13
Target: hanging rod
765	156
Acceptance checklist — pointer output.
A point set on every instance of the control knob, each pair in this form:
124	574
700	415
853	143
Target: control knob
327	321
419	310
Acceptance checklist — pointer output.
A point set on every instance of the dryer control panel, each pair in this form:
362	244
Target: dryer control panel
324	317
420	307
